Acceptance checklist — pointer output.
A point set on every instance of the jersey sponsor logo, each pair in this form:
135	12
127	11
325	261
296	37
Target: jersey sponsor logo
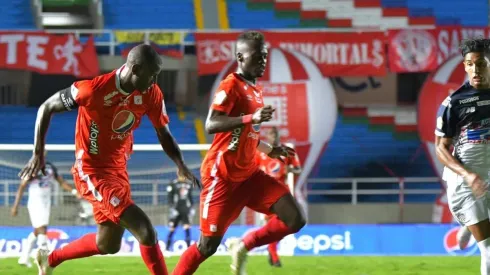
469	100
253	135
274	167
483	103
110	95
94	138
470	110
235	137
123	122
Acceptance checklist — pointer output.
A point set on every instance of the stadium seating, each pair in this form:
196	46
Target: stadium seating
355	13
22	130
16	14
361	148
154	14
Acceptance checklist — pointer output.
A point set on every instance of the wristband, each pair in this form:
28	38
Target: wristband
247	119
264	147
74	192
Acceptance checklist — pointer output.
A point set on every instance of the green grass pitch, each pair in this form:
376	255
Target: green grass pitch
330	265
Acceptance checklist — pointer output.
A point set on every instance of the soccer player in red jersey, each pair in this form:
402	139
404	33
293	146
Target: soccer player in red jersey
110	107
278	169
230	174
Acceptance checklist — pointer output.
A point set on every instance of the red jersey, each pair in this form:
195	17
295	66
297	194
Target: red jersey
107	116
276	168
232	154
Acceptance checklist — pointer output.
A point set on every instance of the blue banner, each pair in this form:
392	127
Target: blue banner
389	240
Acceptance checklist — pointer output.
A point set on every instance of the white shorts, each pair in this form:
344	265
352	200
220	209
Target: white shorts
465	207
39	212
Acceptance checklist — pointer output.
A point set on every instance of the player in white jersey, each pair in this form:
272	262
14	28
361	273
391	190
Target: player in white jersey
39	207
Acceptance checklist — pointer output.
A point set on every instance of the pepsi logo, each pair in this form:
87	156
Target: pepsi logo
452	247
123	122
56	234
274	167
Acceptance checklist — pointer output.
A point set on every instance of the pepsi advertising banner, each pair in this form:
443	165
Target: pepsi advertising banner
313	240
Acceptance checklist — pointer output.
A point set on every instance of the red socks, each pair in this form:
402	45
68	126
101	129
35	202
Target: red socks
272	248
153	258
84	247
273	231
189	261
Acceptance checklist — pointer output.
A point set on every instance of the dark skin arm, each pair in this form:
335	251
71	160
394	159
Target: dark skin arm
443	146
18	197
172	149
219	122
51	106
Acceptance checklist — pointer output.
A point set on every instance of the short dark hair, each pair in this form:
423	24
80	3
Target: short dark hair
255	36
142	54
479	45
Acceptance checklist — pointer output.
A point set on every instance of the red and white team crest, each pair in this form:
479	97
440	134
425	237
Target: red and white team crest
412	51
305	103
441	83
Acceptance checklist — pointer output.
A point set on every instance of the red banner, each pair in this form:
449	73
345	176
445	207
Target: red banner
48	54
338	54
423	50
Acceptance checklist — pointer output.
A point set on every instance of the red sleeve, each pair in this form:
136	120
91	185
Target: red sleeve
157	113
225	98
82	91
294	161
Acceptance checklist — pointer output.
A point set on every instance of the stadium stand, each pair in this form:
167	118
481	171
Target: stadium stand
155	14
16	14
22	131
355	13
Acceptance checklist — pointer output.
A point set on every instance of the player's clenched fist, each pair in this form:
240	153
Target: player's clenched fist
263	114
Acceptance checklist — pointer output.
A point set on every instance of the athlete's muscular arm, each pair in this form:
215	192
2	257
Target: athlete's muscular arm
219	122
18	197
172	149
444	155
67	187
54	104
170	146
295	169
446	129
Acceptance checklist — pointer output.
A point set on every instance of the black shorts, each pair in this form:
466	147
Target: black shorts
180	218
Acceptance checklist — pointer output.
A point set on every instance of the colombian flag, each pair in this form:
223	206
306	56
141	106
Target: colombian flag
165	43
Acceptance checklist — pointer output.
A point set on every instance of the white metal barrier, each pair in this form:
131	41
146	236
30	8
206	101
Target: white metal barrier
352	188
